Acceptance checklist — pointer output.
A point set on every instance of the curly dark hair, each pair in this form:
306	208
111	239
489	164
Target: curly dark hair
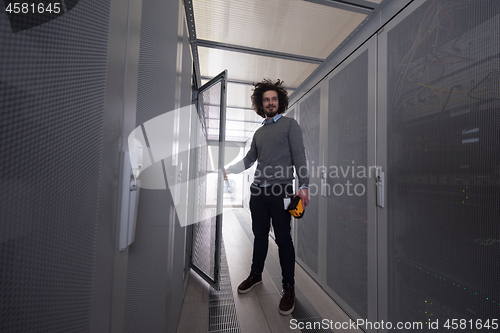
266	85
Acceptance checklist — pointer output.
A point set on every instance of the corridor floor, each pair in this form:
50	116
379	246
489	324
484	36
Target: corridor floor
257	311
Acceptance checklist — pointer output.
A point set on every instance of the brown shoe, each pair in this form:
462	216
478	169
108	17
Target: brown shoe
287	303
252	280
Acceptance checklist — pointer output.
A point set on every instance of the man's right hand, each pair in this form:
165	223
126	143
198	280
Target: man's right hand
226	172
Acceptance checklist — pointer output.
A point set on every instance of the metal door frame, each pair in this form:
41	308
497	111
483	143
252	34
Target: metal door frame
215	281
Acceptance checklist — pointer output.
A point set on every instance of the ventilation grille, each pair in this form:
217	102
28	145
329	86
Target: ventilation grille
222	310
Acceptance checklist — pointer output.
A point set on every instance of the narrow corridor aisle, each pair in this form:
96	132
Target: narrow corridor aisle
257	311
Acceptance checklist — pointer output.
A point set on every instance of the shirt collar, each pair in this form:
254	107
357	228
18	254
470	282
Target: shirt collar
275	118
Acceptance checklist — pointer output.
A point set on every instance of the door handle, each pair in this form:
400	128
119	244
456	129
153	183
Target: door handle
380	176
323	183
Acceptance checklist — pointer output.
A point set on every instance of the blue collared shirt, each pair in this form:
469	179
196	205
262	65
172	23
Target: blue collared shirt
275	119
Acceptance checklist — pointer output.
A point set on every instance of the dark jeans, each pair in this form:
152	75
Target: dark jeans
266	204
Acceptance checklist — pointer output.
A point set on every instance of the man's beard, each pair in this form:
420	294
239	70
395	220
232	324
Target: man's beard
268	113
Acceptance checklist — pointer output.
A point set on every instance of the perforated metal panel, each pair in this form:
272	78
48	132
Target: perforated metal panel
155	61
443	152
52	90
149	260
155	267
347	184
307	227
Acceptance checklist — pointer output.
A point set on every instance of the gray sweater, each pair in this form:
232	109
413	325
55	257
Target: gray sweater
277	146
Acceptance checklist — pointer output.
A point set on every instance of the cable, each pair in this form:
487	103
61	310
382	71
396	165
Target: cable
478	98
448	98
439	78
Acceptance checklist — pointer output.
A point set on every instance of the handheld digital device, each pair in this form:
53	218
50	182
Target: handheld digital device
296	208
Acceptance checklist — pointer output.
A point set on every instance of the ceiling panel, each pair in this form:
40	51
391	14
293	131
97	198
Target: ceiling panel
238	95
289	26
252	68
232	34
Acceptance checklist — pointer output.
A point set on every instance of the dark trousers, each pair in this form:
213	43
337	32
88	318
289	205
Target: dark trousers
266	205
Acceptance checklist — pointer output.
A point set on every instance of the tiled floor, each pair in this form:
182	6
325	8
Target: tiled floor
257	310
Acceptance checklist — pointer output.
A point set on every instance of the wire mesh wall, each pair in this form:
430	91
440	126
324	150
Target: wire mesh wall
204	232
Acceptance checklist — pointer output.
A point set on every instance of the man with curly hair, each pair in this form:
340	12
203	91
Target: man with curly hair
277	147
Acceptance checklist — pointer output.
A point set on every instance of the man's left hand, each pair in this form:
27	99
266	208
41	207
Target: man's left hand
304	195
